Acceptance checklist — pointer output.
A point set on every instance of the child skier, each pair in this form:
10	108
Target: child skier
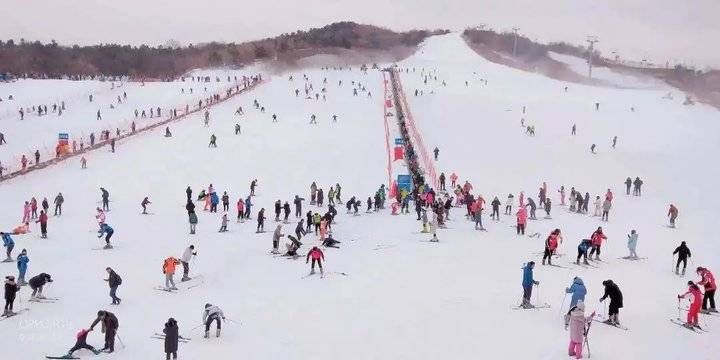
583	248
81	343
22	261
577	322
692	316
224	223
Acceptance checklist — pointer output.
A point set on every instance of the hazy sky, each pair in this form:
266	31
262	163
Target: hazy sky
659	30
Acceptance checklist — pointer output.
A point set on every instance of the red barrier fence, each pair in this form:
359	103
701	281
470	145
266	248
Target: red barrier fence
426	161
129	133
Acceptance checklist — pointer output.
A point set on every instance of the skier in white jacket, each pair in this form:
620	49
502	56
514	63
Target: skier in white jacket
212	313
185	260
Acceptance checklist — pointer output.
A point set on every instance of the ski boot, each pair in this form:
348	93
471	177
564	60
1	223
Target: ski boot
683	272
677	271
185	278
217	333
713	310
173	288
586	262
107	246
207	334
705	311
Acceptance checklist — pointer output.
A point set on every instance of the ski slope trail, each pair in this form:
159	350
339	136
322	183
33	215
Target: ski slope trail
401	297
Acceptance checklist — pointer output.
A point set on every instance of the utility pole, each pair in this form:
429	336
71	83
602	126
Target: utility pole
591	41
515	31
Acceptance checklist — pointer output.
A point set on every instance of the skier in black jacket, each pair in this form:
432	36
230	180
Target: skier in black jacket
683	254
11	289
298	206
286	211
278	208
616	301
114	281
36	284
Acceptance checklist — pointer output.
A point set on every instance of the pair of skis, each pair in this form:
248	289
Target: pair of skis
696	328
533	307
161	336
43	299
5	317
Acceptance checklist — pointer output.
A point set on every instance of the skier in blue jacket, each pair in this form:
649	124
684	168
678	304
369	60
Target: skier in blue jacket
583	248
527	284
9	244
248	206
578	291
108	231
214	201
22	261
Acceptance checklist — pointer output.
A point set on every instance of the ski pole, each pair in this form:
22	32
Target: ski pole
120	340
562	304
231	320
679	310
672	265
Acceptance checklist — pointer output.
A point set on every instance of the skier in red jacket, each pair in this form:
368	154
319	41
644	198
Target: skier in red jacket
708	281
317	256
43	220
597	238
692	316
551	244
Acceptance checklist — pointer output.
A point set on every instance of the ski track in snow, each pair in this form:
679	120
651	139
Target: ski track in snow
410	299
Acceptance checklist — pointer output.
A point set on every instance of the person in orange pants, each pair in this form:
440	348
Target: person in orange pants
692	316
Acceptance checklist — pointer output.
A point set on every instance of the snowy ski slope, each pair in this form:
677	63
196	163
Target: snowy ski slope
403	297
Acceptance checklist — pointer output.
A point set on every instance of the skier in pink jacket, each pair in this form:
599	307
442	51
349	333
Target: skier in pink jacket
577	322
26	212
521	220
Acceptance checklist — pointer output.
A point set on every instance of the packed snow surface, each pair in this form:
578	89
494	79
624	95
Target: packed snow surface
387	293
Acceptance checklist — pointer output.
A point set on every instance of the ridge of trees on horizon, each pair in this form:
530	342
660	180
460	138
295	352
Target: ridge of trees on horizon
52	60
530	51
